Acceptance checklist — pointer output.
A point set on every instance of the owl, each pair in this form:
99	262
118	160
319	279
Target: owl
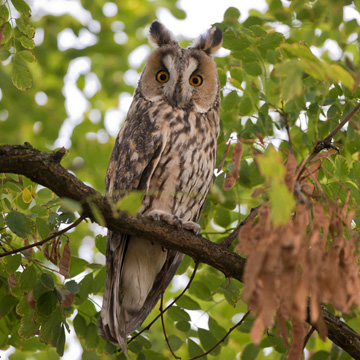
166	149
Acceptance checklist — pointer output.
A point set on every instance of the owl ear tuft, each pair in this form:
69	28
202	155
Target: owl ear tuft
160	36
210	42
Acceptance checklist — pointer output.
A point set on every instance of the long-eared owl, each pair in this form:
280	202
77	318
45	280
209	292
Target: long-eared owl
167	149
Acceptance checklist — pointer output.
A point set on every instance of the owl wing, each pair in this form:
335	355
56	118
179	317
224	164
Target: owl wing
136	153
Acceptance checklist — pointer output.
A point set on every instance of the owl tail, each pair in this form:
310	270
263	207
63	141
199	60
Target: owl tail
135	280
111	324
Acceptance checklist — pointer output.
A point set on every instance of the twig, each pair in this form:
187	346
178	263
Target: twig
161	309
168	307
223	339
326	143
39	243
229	239
308	336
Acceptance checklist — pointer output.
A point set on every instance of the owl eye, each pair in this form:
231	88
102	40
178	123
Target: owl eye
196	80
162	76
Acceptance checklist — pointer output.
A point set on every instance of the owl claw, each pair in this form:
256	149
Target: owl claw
174	220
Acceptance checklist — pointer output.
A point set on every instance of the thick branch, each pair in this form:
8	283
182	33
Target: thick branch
45	169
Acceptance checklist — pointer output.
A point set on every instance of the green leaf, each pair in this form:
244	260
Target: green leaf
246	106
22	7
187	302
131	202
80	326
341	168
152	355
47	281
4	14
320	355
200	290
4	54
271	41
27	56
19	224
21	77
100	242
250	352
39	289
71	205
339	74
77	266
28	326
7	303
85	288
230	100
231	291
278	344
231	13
28	278
195	350
60	344
175	342
97	214
282	203
42	228
25	28
208	340
178	314
12	263
218	331
26	42
48	324
72	286
99	281
91	337
235	41
183	326
253	69
6	33
47	303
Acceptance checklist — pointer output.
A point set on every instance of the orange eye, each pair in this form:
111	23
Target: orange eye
196	80
162	76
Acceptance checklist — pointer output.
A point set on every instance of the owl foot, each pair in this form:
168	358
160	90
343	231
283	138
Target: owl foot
174	220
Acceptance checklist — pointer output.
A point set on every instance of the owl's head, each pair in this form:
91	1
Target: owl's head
184	78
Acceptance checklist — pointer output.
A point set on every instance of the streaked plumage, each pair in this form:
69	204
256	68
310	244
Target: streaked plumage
167	148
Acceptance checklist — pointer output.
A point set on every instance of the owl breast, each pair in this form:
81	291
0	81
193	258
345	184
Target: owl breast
183	176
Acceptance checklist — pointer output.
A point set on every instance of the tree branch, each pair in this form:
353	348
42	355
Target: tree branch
39	243
326	143
45	169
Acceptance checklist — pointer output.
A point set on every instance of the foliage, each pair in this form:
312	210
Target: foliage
278	101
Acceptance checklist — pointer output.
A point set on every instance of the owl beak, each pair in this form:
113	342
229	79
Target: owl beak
177	97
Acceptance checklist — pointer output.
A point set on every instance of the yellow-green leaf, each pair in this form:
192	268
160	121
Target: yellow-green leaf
25	28
339	74
26	42
27	56
131	202
21	77
5	33
4	14
4	54
26	196
282	203
22	7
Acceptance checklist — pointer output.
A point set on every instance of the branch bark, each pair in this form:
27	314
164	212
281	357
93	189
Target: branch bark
45	169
